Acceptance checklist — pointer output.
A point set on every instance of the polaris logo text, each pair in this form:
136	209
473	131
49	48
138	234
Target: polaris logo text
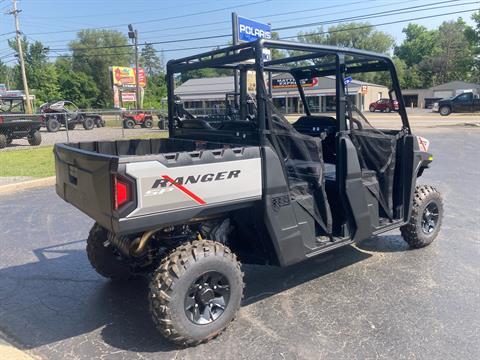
254	32
193	179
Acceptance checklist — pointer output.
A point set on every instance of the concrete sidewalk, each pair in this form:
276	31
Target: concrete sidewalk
10	352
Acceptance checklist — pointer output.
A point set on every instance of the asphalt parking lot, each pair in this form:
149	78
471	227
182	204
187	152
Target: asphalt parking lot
375	300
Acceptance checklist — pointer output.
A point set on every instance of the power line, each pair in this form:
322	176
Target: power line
158	19
380	24
380	14
360	17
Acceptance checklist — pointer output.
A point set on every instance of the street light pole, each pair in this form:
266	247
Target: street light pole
15	12
133	34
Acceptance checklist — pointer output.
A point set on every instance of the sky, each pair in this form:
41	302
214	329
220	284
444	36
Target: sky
55	22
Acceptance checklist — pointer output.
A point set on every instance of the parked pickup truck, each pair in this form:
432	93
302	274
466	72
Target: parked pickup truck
466	102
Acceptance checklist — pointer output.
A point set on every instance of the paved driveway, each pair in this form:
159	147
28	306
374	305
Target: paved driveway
377	300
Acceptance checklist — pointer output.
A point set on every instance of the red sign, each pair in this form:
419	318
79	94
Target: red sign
128	97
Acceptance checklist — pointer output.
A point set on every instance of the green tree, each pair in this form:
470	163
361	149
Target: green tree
41	74
355	35
452	58
93	52
418	44
473	37
76	86
150	61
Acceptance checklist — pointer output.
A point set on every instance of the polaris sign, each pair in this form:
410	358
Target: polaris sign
249	30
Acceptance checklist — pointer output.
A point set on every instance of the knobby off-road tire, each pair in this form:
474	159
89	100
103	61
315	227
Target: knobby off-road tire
88	124
148	123
35	138
53	125
129	124
426	218
3	141
102	258
182	274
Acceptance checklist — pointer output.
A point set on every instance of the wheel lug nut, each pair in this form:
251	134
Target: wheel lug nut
200	287
196	305
215	287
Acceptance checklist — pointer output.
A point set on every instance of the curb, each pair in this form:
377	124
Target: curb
11	188
11	352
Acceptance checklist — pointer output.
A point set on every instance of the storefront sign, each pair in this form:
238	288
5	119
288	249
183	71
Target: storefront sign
125	76
128	97
250	30
288	83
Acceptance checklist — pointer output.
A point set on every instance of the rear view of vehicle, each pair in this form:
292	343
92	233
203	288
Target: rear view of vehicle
247	184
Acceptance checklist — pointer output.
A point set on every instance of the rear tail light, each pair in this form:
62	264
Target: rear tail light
1	120
122	192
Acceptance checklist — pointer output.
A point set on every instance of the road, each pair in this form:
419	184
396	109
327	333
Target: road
375	300
418	119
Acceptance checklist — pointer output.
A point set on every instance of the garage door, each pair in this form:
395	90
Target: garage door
443	94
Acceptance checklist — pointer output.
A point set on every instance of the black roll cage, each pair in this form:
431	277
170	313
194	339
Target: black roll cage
236	57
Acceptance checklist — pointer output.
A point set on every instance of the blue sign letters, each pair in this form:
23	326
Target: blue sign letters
249	30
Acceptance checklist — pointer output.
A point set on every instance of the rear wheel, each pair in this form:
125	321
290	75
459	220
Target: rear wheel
426	218
88	124
372	108
102	255
3	141
148	123
387	109
35	138
195	292
53	125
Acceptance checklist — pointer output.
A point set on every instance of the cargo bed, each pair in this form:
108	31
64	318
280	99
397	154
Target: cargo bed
166	181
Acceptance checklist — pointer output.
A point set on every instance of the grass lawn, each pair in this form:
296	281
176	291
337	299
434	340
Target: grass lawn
36	162
39	162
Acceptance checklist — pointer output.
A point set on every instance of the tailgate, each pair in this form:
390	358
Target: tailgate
84	180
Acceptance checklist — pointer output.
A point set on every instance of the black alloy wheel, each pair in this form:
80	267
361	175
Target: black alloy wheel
430	218
207	298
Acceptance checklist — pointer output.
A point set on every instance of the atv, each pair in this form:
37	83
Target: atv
132	119
254	188
65	113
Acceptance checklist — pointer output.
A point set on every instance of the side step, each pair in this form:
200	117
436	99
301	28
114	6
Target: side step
330	245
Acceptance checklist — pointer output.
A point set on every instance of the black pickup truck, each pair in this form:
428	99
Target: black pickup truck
466	102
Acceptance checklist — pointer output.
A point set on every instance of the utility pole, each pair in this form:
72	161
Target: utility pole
133	34
15	12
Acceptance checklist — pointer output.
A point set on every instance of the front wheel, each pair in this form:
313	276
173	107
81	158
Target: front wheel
445	110
426	218
148	123
195	292
3	141
35	138
387	109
